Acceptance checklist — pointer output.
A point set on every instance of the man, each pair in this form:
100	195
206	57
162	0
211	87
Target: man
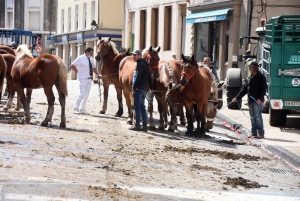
141	78
256	90
13	45
174	56
206	62
84	66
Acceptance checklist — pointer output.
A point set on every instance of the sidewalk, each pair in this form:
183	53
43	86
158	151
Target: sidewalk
280	141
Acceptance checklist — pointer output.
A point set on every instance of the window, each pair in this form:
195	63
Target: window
10	20
154	27
93	7
62	20
168	28
143	20
69	18
34	19
76	17
84	16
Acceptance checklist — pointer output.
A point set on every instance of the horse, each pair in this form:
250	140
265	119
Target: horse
169	73
3	68
6	50
195	89
126	70
106	50
44	71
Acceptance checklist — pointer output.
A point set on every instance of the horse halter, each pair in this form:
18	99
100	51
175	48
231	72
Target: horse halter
185	74
169	102
148	61
107	48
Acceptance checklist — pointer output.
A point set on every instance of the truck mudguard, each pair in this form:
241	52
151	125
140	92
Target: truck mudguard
234	77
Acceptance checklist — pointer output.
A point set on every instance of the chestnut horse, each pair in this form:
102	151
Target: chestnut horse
3	67
126	70
44	71
169	73
6	50
106	50
196	89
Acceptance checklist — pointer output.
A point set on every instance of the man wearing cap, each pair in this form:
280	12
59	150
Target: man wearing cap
141	78
174	56
256	90
84	66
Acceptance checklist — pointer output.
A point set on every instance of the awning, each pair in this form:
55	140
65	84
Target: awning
215	15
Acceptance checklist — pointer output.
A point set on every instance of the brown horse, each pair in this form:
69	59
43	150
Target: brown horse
126	70
110	70
6	50
3	68
169	73
196	89
45	71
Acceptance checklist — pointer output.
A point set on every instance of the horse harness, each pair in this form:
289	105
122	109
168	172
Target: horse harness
185	74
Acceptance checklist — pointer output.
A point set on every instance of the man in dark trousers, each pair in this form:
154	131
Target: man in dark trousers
256	90
141	78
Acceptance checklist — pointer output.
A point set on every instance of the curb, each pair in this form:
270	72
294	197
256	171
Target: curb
288	157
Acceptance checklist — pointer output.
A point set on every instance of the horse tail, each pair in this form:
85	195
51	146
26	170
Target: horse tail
2	75
62	77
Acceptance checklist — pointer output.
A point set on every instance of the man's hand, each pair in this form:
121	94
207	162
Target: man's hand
234	100
100	76
258	101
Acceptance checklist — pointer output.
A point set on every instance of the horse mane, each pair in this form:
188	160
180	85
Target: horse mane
23	51
214	86
110	44
165	69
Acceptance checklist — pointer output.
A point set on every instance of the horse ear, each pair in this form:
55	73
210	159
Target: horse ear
99	37
182	57
170	86
192	57
158	49
150	48
109	38
128	50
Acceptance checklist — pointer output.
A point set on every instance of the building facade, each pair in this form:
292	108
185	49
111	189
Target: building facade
80	22
38	16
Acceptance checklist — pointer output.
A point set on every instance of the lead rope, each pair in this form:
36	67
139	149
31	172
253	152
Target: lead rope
249	117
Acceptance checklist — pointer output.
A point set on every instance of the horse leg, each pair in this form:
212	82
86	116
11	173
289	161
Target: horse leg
12	91
133	115
161	118
200	130
165	114
20	91
190	126
150	99
105	95
127	95
50	97
173	122
62	101
6	91
119	97
28	96
182	117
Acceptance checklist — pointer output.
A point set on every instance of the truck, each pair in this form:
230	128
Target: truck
278	51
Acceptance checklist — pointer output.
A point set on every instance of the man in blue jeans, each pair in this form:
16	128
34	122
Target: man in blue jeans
141	79
256	90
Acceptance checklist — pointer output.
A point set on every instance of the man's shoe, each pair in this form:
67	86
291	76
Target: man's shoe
76	111
144	128
134	128
261	136
84	112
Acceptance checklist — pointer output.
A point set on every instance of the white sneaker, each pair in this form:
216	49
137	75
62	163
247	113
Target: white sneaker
76	111
84	112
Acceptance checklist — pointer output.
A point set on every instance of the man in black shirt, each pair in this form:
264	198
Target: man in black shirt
256	90
140	81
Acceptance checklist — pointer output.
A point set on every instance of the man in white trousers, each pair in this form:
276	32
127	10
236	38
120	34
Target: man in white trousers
84	66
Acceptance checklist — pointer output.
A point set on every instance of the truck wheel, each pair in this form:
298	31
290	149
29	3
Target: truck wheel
231	93
265	107
277	117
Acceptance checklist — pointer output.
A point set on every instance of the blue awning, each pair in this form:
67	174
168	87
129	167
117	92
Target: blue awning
210	16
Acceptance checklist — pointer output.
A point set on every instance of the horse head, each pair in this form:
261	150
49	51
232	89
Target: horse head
125	53
152	58
104	46
189	68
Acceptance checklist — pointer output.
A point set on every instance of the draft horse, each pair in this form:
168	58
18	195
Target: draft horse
126	70
44	71
3	67
196	89
106	50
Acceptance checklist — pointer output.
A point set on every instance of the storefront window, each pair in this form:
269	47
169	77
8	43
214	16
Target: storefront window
201	41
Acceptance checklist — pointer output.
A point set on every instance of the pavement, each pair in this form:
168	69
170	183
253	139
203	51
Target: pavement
282	142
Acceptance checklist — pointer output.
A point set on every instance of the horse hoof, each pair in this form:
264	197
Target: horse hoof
129	122
198	136
171	130
188	134
118	114
62	125
5	109
152	127
102	112
161	128
44	123
17	109
182	123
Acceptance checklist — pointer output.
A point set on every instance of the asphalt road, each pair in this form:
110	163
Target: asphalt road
97	158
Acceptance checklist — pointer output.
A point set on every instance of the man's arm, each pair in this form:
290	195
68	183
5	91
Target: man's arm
136	81
97	73
74	68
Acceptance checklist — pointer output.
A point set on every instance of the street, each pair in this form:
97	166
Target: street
97	158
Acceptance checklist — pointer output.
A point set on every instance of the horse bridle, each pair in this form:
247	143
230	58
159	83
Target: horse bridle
185	74
148	61
107	48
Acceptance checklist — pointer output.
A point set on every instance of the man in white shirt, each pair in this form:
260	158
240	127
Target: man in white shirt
84	66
